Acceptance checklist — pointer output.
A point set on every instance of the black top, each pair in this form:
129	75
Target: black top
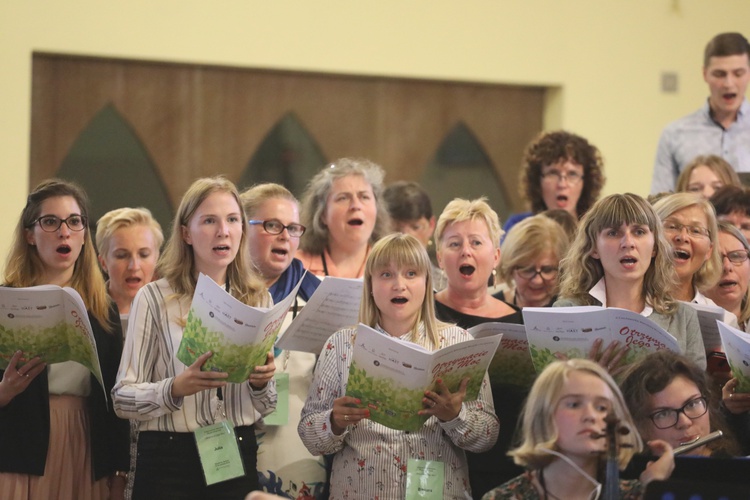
493	467
466	321
24	422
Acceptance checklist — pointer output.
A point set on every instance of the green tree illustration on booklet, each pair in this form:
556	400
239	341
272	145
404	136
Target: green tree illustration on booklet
237	360
61	342
743	381
512	368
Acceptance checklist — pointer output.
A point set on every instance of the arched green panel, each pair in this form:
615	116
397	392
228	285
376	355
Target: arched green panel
288	155
110	162
462	169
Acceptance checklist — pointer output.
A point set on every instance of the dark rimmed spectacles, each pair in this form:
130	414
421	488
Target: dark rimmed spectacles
668	417
275	226
529	273
736	257
51	223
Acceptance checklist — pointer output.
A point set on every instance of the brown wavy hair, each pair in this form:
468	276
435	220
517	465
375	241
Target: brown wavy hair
550	148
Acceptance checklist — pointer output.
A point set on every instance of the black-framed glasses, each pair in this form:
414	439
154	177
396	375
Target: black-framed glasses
736	257
51	223
668	417
529	273
571	177
275	226
672	227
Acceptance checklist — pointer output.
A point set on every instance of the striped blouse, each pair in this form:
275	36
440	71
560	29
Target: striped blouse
149	366
371	459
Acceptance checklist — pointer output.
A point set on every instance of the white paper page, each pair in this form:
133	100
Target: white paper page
736	345
707	317
333	306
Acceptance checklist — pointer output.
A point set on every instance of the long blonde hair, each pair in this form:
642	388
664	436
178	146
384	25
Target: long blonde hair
177	263
401	250
25	268
581	271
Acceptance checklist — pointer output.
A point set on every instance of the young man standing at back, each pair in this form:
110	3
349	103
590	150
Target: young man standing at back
722	126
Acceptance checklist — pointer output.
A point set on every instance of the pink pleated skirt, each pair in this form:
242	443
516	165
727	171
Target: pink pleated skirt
67	474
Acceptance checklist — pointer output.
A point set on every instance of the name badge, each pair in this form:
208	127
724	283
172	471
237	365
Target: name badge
219	452
280	415
424	479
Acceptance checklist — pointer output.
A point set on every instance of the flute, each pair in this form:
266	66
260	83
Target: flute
698	442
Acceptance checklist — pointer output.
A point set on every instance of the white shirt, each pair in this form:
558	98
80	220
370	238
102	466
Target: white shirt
149	366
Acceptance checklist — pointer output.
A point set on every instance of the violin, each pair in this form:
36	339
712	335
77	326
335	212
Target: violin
613	432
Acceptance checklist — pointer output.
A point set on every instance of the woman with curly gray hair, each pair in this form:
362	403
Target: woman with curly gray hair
344	216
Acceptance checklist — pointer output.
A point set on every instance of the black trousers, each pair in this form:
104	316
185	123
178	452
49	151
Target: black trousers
168	467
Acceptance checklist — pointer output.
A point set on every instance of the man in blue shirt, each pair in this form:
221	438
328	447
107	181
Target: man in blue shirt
722	126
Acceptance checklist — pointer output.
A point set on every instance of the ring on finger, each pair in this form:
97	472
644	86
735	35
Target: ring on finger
434	403
346	418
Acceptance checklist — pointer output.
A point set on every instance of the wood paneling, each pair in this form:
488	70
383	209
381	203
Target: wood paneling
200	120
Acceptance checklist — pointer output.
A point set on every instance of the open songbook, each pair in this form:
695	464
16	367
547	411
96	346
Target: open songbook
49	322
240	336
390	375
572	331
333	306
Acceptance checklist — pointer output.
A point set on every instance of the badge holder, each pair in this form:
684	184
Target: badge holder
218	450
424	479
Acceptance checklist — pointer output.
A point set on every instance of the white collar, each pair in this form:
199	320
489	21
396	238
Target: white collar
599	292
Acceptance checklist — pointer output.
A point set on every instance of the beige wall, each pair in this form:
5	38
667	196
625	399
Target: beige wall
604	56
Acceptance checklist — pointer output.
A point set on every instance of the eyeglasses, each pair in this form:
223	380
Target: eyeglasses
529	273
673	228
51	223
664	419
571	177
736	257
275	226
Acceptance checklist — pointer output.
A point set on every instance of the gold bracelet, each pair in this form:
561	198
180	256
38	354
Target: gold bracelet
121	473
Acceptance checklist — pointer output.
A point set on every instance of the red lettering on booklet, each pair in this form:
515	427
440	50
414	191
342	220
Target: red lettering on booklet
515	344
272	327
469	360
640	339
79	323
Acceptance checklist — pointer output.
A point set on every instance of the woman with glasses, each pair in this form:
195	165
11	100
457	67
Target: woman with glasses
344	215
285	467
467	236
273	238
531	257
690	226
670	398
621	258
59	436
731	291
560	171
564	444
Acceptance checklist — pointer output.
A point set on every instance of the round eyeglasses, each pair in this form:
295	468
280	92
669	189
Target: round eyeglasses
275	226
668	417
529	273
51	223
